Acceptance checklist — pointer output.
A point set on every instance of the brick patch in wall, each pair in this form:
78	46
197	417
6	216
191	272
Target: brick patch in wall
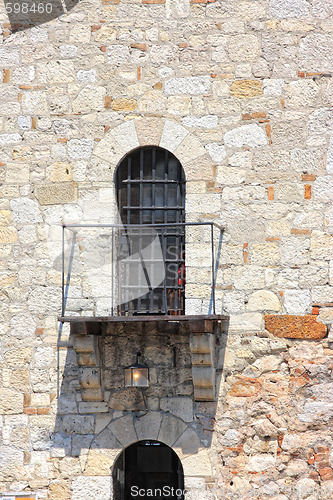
295	327
307	192
308	177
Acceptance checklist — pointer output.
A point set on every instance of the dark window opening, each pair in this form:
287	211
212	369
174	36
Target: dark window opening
150	186
148	469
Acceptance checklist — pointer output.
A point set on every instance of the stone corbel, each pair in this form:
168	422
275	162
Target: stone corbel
88	358
202	347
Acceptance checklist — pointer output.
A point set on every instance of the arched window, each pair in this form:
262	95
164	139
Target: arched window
150	185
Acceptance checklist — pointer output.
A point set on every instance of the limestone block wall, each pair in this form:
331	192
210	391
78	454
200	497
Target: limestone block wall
241	92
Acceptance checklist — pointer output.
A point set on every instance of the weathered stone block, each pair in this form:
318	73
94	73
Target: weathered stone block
260	463
316	52
123	428
57	193
181	407
244	89
96	487
25	210
78	424
171	429
295	327
124	105
194	85
90	98
244	47
264	300
246	135
148	426
127	399
11	402
245	388
7	235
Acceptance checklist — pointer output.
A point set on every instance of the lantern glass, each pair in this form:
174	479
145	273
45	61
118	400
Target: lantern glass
136	376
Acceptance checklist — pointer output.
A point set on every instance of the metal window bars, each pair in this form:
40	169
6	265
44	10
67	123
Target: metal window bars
134	269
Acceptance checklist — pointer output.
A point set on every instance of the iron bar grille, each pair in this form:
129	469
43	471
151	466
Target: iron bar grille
151	190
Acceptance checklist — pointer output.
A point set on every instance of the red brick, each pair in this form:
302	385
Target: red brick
270	193
307	192
246	116
301	74
246	258
140	46
30	411
301	231
259	115
308	177
326	474
315	310
43	411
107	102
6	76
269	130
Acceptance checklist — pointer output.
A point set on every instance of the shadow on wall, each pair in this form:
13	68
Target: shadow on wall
97	431
25	14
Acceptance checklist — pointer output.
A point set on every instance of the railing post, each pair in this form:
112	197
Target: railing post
63	272
213	266
112	270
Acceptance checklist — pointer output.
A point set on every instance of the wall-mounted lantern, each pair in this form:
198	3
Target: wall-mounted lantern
137	375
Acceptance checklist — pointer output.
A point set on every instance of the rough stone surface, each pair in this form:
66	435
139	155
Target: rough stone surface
246	135
246	88
264	300
295	327
57	193
241	94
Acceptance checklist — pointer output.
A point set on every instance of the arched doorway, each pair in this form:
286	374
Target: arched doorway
148	469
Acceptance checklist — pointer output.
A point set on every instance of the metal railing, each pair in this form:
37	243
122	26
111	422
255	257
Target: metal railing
150	269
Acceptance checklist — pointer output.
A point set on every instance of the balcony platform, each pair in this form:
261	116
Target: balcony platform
92	325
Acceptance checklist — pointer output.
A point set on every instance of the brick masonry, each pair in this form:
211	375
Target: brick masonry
241	93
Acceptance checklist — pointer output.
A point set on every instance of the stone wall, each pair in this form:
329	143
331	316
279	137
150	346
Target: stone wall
241	92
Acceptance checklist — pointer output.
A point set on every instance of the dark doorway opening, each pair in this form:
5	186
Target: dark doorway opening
146	470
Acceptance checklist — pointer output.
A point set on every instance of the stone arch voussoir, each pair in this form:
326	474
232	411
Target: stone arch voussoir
153	131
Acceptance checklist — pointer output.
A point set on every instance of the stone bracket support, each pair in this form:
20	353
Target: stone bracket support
88	358
201	330
202	346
